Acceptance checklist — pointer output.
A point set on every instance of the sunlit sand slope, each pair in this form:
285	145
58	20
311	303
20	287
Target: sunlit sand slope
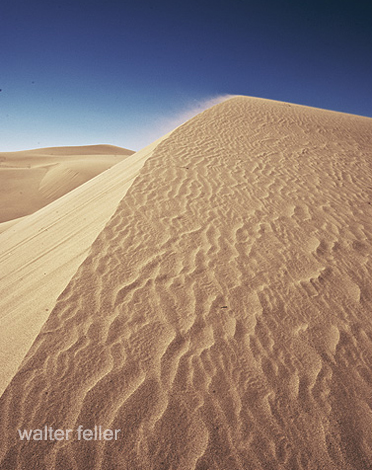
223	317
31	179
40	254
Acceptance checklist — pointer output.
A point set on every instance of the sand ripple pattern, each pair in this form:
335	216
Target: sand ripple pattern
223	318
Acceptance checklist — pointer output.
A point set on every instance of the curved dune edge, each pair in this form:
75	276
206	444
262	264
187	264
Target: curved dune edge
10	223
222	319
40	253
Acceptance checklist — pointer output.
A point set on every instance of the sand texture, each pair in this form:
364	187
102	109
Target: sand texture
42	252
31	179
222	319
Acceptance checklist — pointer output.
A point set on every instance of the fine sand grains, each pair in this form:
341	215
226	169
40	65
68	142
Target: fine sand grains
223	317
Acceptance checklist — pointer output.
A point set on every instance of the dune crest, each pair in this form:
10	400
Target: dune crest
222	319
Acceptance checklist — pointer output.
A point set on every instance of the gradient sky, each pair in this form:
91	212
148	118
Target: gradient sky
82	72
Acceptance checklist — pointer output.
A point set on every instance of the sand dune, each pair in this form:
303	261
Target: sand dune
31	179
222	319
39	256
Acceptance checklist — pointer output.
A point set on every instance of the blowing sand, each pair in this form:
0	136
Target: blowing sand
222	318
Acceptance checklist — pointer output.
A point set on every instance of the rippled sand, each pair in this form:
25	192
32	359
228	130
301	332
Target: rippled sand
222	318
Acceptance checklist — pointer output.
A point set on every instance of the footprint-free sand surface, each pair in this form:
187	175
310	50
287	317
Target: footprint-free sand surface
31	179
42	252
222	318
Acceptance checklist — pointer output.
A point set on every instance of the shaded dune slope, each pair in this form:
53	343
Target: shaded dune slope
223	317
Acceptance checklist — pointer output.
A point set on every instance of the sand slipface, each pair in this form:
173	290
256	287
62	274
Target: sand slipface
222	319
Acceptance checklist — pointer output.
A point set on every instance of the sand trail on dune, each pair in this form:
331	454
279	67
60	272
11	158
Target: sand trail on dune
222	318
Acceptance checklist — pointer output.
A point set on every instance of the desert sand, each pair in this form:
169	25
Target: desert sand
219	315
42	252
31	179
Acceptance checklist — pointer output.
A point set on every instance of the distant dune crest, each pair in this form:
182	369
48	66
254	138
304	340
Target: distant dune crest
31	179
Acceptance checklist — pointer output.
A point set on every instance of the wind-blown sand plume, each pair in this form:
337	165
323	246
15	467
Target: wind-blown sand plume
31	179
223	317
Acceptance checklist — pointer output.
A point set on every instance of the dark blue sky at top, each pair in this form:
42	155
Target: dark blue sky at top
83	72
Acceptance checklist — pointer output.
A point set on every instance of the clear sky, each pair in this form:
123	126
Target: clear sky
78	72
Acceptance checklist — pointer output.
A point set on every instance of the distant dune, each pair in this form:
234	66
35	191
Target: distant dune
31	179
220	320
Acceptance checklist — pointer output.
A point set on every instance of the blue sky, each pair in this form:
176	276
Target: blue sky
83	72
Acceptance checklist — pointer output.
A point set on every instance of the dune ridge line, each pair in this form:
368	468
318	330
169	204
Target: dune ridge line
40	254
